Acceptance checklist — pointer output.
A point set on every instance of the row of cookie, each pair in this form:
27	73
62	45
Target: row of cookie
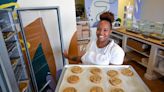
93	89
94	79
95	70
74	79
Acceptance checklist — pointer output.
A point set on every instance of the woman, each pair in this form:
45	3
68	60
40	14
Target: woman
103	51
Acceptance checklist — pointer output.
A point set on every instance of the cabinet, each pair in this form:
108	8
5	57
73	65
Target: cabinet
117	38
12	62
147	52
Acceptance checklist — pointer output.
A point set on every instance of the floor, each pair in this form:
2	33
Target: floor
156	85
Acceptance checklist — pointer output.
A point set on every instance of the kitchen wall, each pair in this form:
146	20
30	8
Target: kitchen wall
153	10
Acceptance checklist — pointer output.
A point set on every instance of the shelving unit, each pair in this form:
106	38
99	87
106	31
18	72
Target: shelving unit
23	85
143	53
159	71
161	56
11	54
147	52
15	62
160	53
139	51
117	38
83	35
137	57
159	66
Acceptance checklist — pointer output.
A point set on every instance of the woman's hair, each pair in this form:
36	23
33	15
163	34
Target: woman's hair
108	16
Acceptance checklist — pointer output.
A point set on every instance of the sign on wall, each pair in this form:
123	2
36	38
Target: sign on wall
95	7
137	9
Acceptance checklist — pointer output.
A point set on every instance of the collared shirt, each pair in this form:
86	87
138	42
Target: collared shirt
111	54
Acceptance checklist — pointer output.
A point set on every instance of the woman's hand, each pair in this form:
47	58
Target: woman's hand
73	58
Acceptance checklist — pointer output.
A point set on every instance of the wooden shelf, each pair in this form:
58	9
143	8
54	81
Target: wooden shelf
159	71
23	85
14	63
159	55
18	72
83	41
161	52
10	36
10	46
143	53
147	40
136	57
7	27
117	36
141	63
11	52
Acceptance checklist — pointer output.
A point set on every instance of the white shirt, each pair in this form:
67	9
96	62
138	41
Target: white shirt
111	54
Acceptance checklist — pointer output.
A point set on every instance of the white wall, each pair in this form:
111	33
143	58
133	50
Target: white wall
153	10
67	17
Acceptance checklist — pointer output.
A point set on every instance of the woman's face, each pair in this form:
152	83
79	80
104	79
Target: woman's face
103	31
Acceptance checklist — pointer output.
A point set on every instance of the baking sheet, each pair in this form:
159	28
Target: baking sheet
129	84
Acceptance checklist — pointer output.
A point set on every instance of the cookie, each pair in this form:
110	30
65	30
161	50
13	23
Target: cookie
112	73
73	79
117	90
76	69
95	70
127	72
115	81
96	89
95	78
70	89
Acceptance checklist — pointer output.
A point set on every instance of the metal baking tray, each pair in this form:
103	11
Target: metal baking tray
129	83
